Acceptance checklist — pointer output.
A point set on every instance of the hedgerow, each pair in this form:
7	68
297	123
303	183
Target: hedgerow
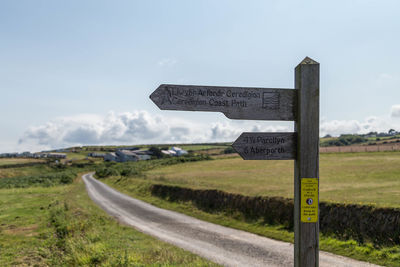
137	168
45	180
363	223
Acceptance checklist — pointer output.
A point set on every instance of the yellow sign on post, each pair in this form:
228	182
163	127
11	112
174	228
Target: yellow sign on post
309	200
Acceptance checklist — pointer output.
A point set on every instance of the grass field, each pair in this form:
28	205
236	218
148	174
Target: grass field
140	188
367	178
24	171
78	155
61	226
12	161
202	147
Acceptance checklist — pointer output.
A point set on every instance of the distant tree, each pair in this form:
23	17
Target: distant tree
229	150
392	132
328	136
156	152
349	139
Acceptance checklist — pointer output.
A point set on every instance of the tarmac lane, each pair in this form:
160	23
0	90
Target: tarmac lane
222	245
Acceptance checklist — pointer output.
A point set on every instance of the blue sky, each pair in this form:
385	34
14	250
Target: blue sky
81	72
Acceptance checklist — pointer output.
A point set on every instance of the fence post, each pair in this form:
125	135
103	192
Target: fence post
306	244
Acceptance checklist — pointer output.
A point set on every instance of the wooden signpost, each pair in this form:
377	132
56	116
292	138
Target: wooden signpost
300	105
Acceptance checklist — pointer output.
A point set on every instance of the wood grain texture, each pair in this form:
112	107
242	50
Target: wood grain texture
307	163
234	102
266	146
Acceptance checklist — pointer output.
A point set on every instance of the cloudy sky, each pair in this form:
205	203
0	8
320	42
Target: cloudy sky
81	72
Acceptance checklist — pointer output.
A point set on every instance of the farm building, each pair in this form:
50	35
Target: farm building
25	154
8	155
128	155
56	155
110	157
179	151
174	151
144	154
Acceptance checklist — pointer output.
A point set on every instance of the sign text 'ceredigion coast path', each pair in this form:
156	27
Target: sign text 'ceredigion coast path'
300	105
235	102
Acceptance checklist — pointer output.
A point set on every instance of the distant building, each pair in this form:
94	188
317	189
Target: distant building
110	157
126	155
179	151
143	154
168	152
174	151
12	155
26	154
56	155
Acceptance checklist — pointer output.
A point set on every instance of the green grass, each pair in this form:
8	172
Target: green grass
202	147
61	226
43	180
12	161
24	235
24	171
78	155
139	188
363	178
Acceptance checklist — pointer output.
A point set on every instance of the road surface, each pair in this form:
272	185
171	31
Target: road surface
225	246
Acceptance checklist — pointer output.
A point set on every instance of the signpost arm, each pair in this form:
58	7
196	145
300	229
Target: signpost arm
306	246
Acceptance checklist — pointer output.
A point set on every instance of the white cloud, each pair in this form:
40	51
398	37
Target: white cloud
138	127
141	127
395	112
370	124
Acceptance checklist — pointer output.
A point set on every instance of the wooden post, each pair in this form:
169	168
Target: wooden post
306	234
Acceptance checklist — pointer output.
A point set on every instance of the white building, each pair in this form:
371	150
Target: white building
179	151
174	151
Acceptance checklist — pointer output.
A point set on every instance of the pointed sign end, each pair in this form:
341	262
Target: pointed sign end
158	95
236	145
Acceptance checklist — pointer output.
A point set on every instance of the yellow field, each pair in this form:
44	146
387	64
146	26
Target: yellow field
369	178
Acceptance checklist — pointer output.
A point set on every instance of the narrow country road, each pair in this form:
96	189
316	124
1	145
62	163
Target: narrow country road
225	246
